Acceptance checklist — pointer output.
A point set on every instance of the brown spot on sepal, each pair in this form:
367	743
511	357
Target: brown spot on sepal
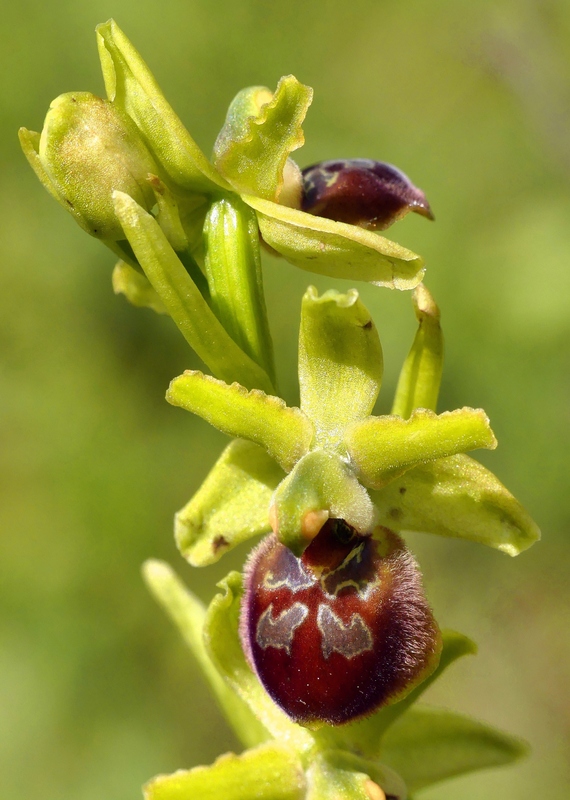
218	543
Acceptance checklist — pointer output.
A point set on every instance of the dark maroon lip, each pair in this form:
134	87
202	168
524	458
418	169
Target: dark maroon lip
341	631
360	191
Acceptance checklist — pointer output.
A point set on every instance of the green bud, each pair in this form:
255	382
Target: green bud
89	148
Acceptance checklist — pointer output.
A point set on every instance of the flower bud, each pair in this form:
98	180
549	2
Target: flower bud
341	631
362	192
89	148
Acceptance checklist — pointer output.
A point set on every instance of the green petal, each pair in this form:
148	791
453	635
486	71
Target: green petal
320	487
336	249
223	644
457	497
188	614
284	432
340	362
270	772
259	134
231	506
182	298
233	267
420	378
136	288
381	448
428	745
336	775
365	735
131	85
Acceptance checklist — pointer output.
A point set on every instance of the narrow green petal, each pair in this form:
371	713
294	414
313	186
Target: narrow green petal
255	142
365	735
381	448
337	775
231	506
188	614
223	644
420	378
270	772
428	745
136	287
457	497
284	432
340	362
320	487
131	85
336	249
183	300
233	268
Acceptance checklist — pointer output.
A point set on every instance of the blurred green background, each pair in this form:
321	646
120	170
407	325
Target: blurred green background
472	100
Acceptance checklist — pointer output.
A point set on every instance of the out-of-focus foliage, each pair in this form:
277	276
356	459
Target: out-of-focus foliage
96	691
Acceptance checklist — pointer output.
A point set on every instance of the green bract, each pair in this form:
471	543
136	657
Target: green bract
406	474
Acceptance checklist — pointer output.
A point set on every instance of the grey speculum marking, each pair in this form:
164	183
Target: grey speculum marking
279	631
349	639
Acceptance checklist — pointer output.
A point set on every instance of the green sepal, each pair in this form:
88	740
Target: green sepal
130	84
382	448
231	506
320	487
457	497
420	378
285	432
340	362
136	288
337	775
188	614
259	134
428	745
334	248
365	735
30	144
223	644
233	269
182	298
271	771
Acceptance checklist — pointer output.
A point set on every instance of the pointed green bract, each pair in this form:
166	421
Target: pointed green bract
284	432
182	298
233	269
188	614
340	362
231	506
457	497
336	249
381	448
136	287
428	745
320	487
131	85
420	378
222	642
270	772
365	736
257	138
